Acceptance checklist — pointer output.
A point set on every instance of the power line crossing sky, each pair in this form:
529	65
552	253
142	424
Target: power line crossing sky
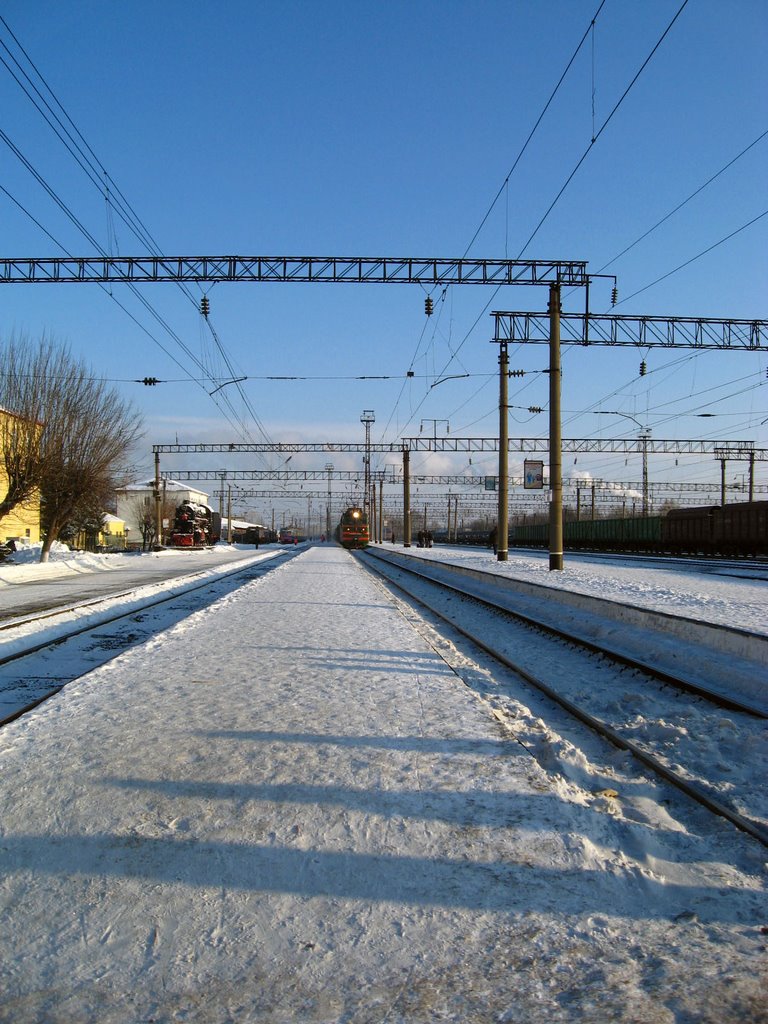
394	129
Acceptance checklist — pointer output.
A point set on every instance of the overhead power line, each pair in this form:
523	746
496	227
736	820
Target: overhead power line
679	206
532	132
90	164
696	257
604	125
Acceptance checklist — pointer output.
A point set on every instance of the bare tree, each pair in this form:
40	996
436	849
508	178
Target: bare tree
86	434
66	434
28	373
141	510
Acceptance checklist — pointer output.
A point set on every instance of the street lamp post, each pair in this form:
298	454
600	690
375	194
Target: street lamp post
645	434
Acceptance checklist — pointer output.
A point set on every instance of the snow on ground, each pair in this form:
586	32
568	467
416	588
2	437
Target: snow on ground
730	601
288	807
24	565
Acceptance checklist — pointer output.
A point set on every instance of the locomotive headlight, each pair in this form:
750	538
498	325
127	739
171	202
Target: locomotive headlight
355	514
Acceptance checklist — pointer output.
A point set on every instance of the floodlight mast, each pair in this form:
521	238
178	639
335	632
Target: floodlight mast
367	419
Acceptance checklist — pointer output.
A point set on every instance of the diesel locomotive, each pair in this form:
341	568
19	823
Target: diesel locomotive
352	531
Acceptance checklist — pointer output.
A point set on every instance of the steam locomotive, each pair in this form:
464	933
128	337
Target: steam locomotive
195	526
352	531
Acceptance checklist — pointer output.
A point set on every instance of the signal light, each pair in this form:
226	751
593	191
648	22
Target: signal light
205	307
428	306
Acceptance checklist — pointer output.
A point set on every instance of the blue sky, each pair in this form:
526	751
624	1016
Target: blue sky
373	129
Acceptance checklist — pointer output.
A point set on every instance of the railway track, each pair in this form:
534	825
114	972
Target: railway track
602	687
732	568
40	662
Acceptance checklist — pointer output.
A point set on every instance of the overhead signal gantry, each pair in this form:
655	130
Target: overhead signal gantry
385	270
592	329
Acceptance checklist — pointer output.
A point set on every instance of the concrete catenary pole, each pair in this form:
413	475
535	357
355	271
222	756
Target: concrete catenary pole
502	526
406	498
555	434
158	504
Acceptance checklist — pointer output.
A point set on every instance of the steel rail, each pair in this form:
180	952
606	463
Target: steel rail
698	795
729	703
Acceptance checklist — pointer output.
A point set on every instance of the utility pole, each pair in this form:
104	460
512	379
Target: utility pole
555	434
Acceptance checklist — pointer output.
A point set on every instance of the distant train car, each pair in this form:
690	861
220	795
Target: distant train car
352	531
738	530
290	535
195	526
249	533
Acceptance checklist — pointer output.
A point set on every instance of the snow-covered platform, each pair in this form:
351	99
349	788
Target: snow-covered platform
289	808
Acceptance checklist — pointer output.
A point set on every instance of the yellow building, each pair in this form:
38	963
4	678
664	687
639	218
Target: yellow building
23	520
111	536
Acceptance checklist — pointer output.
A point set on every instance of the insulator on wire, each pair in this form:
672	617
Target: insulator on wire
517	373
642	368
149	381
614	295
428	305
205	306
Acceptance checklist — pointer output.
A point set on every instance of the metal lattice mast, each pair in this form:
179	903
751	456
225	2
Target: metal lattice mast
367	419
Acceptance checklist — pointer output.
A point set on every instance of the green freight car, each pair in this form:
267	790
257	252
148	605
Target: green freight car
621	534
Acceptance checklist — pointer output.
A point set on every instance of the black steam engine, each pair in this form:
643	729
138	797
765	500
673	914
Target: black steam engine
195	526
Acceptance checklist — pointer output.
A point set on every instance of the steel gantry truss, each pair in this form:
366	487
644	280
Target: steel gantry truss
323	269
280	447
732	449
591	329
586	329
427	272
472	484
721	449
634	331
